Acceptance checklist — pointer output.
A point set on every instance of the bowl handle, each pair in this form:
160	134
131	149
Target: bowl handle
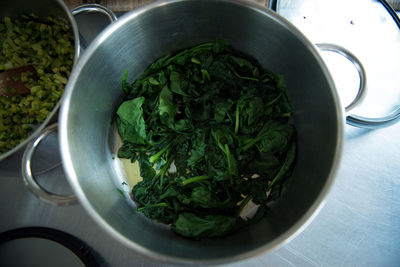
31	182
91	8
355	120
29	179
86	8
357	64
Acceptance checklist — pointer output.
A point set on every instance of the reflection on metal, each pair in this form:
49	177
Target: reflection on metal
370	30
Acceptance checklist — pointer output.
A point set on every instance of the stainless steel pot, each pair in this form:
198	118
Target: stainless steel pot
43	9
88	140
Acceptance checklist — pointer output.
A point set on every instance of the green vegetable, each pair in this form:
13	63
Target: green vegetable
221	120
48	46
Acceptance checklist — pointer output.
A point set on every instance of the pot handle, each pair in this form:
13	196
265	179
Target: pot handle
88	8
355	120
357	64
31	182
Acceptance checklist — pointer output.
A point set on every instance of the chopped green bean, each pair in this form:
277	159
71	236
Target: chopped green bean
48	46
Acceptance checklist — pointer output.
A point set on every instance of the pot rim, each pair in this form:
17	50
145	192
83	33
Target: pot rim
72	176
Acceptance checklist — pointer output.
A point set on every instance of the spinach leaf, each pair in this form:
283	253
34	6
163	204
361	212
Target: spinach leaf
206	226
209	127
130	121
167	109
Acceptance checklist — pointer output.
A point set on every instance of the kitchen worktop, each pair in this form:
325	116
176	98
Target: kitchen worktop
358	225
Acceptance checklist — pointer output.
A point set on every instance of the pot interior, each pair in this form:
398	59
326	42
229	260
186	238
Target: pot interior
88	141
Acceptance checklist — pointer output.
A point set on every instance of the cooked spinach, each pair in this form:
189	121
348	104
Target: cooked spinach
209	127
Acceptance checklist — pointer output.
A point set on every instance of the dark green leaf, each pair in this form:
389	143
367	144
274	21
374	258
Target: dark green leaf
208	226
130	121
209	128
167	109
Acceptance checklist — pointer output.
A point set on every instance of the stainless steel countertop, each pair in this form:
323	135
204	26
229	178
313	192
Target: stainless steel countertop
358	225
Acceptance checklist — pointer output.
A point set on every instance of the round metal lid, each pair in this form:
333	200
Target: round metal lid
369	29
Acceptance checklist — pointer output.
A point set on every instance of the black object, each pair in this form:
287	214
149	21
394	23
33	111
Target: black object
87	256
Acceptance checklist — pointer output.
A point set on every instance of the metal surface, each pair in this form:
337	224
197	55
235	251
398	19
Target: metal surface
358	225
88	8
136	40
30	180
368	29
357	64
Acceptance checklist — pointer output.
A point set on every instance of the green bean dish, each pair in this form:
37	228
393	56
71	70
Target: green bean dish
48	46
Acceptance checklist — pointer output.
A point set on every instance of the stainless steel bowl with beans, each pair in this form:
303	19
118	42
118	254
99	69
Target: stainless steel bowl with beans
47	45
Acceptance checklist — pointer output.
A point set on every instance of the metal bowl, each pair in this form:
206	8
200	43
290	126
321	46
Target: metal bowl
43	9
145	34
